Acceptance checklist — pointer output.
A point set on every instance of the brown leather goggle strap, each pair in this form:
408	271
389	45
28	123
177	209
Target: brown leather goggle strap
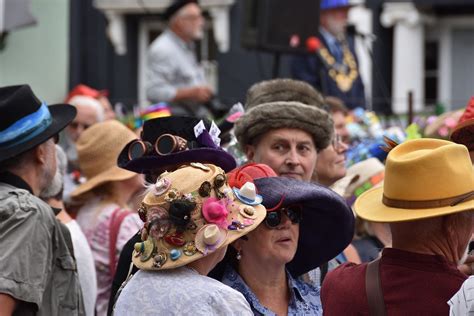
452	201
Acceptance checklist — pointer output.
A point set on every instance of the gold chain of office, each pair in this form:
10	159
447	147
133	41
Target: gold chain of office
344	75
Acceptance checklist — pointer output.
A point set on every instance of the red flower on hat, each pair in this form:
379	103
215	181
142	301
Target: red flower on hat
247	173
215	212
463	133
469	113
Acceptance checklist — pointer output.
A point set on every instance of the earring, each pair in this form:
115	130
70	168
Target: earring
238	256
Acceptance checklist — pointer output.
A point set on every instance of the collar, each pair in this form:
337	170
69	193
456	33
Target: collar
417	261
328	37
235	281
175	38
14	180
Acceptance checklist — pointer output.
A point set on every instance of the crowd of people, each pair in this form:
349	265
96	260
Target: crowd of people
283	209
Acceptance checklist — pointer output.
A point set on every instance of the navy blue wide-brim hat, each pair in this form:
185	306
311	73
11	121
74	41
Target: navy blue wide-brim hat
205	150
26	122
327	225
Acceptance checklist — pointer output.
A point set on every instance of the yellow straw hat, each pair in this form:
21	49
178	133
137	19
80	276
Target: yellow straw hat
188	214
423	178
98	148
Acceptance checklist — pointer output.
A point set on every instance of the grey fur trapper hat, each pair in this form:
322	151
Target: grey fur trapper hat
283	90
281	114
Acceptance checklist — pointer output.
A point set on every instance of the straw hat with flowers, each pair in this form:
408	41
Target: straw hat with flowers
190	213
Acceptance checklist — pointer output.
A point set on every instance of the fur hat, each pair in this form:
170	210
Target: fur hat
283	90
263	117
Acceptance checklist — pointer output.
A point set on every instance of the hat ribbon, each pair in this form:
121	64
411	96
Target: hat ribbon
26	128
452	201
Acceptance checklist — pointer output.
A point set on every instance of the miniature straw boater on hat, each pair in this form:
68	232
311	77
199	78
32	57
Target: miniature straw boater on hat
423	178
188	214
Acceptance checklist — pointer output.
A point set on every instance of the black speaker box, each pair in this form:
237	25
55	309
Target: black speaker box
279	25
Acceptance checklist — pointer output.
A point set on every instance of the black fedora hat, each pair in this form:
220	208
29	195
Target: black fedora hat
27	122
199	149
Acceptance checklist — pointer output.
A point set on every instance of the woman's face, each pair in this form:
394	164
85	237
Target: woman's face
270	245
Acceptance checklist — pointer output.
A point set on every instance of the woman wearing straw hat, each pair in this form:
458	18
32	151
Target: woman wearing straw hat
190	216
104	216
298	234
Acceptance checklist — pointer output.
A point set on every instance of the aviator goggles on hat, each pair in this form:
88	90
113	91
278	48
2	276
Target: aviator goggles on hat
164	145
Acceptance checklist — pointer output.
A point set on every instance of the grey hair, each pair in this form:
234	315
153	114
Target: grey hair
57	184
89	102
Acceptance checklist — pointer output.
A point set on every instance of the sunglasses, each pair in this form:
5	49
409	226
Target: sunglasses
164	145
337	142
273	218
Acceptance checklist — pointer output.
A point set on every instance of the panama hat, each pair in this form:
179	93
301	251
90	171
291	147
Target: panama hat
424	178
98	148
27	122
463	133
188	214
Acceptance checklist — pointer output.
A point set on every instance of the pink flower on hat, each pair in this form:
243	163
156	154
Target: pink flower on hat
215	211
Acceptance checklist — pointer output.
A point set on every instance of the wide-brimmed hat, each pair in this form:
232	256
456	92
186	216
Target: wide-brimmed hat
443	125
327	224
27	122
359	178
274	115
283	90
201	148
463	133
98	148
188	214
424	178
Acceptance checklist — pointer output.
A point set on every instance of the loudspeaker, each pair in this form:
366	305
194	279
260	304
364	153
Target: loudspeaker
279	25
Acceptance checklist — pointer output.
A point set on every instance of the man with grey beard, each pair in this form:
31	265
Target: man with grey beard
37	268
82	251
173	72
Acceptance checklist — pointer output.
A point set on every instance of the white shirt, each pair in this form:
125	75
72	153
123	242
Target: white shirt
179	291
462	303
85	267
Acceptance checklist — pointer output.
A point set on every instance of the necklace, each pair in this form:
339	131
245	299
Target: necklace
343	74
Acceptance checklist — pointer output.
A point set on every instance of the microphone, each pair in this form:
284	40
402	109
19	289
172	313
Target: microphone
313	44
352	31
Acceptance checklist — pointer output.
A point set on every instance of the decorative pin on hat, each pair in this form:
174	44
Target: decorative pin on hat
209	238
248	194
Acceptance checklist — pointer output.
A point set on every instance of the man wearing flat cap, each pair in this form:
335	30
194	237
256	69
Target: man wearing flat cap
38	274
173	72
428	200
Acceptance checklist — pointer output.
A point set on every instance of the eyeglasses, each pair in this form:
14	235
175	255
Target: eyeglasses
273	218
337	142
164	145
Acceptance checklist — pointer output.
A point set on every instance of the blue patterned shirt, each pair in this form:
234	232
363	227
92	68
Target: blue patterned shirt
304	298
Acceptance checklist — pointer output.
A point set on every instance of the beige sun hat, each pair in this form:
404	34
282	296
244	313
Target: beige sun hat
98	148
188	214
